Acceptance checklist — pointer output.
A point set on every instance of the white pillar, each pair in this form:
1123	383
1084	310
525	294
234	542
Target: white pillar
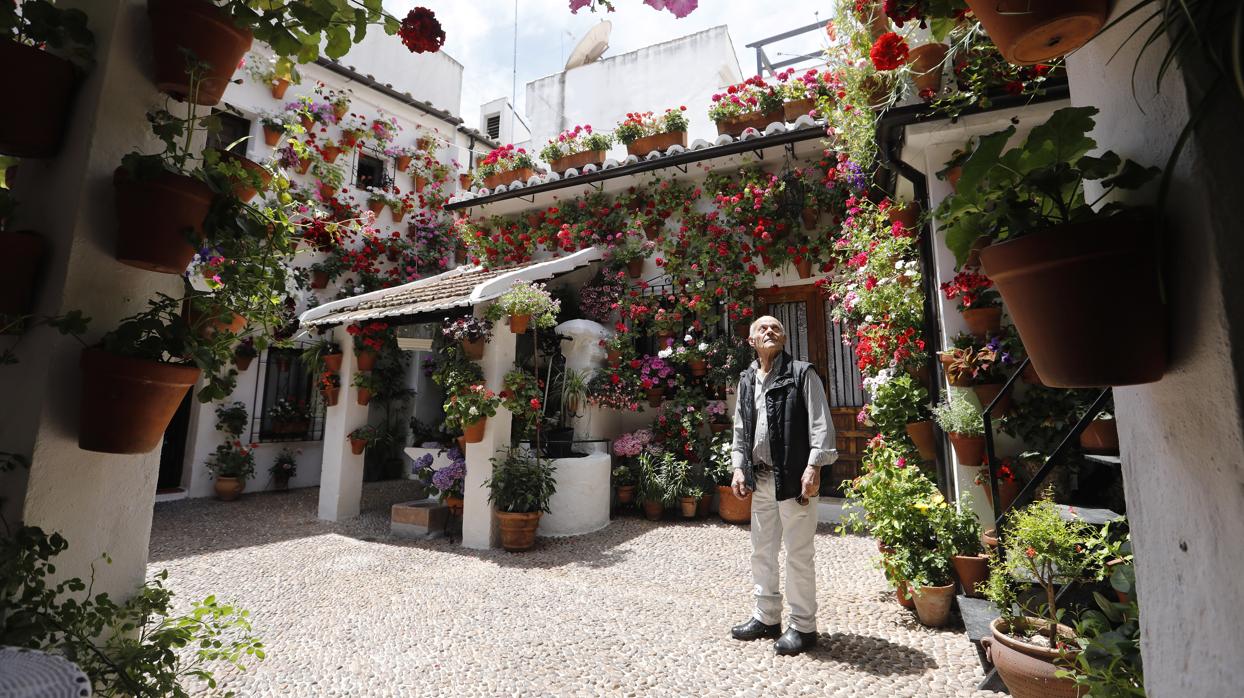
341	475
479	528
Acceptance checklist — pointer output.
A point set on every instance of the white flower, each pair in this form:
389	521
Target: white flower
703	346
665	353
868	318
686	338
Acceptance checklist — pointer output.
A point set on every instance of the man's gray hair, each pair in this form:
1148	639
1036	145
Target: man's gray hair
751	329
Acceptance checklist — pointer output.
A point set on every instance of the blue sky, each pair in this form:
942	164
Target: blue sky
480	35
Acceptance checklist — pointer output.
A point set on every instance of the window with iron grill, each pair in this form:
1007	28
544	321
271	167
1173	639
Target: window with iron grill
286	381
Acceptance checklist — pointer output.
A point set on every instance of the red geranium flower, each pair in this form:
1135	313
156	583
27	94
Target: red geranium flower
889	52
421	32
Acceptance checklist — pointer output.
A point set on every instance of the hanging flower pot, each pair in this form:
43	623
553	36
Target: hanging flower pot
332	362
279	86
154	217
241	188
972	571
655	397
933	604
304	164
1030	376
38	89
653	510
615	358
207	319
921	434
330	153
809	217
518	530
242	361
699	367
375	205
331	395
652	229
403	162
272	136
474	432
987	392
969	449
926	66
357	446
660	142
228	488
397	213
364	396
340	110
474	349
1077	292
319	279
127	403
365	359
626	494
349	139
19	267
1008	490
635	268
578	161
803	267
207	33
518	323
1100	436
1037	32
983	322
688	506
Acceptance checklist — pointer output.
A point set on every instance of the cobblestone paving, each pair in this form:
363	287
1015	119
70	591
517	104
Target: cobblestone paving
637	609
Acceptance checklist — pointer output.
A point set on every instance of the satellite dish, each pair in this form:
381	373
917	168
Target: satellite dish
592	46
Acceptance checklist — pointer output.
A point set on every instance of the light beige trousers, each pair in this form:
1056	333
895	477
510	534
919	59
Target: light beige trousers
775	524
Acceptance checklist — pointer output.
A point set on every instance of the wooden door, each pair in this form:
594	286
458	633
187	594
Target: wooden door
813	336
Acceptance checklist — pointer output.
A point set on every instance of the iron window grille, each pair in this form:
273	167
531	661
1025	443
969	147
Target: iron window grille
285	377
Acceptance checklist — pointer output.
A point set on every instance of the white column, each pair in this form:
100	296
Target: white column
479	528
341	475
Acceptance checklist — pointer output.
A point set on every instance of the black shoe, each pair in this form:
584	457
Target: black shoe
794	642
755	630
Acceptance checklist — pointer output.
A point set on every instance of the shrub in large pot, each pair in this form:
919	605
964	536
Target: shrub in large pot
1031	648
42	49
961	420
576	148
526	303
642	133
520	489
1079	279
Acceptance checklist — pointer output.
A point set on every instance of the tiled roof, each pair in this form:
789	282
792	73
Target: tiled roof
459	287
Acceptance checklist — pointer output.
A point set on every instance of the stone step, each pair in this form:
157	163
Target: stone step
977	615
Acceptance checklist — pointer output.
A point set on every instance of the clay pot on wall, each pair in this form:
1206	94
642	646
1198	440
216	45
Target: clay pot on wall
127	403
272	136
922	435
474	349
208	33
518	323
1100	436
38	89
969	449
659	142
926	66
152	216
987	392
1036	32
635	268
474	432
241	189
803	267
366	360
331	395
364	396
332	362
279	86
982	322
357	446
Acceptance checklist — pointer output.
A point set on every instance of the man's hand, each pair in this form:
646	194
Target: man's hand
739	485
811	481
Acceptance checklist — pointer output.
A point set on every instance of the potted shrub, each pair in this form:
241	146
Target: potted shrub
367	383
631	252
330	388
961	421
576	148
469	331
1029	33
42	49
979	302
231	465
363	437
623	477
526	302
198	28
962	533
643	133
369	340
1029	649
721	469
1078	280
924	557
753	104
245	353
469	409
450	480
503	166
652	482
283	468
520	489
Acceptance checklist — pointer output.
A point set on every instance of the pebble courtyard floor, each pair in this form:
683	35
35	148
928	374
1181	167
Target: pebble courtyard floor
639	608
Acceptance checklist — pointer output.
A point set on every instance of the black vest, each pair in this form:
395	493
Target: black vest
787	416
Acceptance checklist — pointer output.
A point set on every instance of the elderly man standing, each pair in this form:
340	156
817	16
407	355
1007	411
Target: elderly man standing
782	437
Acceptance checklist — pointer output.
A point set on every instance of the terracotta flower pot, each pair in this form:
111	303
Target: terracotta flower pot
969	449
615	358
127	403
340	110
809	217
699	367
455	505
243	362
357	446
375	206
1100	436
397	214
242	189
38	89
208	33
207	319
279	86
903	595
626	494
688	506
791	111
933	604
20	265
1030	671
280	481
659	142
953	175
474	349
655	397
462	443
990	538
1037	32
366	360
272	136
704	505
332	362
465	181
364	396
635	268
758	120
330	153
1008	490
331	395
982	322
518	530
731	508
518	323
403	162
474	432
229	488
1079	292
986	394
972	570
926	65
653	510
578	161
803	267
508	177
304	164
319	279
1030	375
153	217
922	436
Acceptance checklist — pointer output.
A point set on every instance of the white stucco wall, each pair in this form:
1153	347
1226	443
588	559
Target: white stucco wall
429	77
682	72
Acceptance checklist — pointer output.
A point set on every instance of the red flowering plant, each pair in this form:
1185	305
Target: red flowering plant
889	52
573	141
615	388
421	32
598	298
471	403
638	125
982	74
944	13
752	95
523	394
680	424
749	202
503	159
368	337
973	290
879	275
1006	473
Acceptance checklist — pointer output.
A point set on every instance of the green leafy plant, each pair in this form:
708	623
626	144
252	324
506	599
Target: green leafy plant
299	29
895	403
640	125
137	647
469	405
43	25
527	298
1109	663
955	414
960	529
653	474
232	418
521	484
1036	186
